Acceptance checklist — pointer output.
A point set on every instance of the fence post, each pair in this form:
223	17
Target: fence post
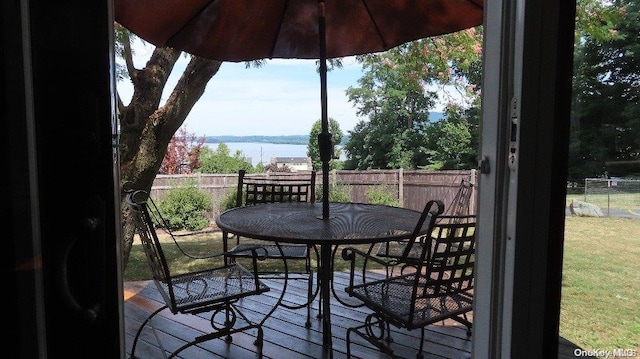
400	182
473	201
585	189
608	198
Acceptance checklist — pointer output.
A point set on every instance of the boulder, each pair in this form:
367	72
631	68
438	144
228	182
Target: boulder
584	209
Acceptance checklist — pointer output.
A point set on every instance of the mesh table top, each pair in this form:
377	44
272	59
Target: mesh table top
348	223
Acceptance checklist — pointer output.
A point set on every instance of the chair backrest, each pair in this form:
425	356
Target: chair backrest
145	218
459	206
275	187
449	268
428	217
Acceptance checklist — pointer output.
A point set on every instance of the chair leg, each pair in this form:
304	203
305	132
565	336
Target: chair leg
203	338
259	341
465	321
229	321
309	299
135	340
419	355
389	339
367	331
312	290
226	330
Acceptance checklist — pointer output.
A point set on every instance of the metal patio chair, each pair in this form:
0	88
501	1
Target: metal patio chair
280	187
433	287
459	206
213	290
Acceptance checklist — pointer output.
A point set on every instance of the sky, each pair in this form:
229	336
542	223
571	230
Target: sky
280	98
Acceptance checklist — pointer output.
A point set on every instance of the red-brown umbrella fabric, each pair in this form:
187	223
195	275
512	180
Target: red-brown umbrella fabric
244	30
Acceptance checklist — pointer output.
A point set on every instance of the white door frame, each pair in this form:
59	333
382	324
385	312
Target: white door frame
528	51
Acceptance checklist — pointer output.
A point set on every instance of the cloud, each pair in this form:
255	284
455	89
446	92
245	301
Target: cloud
280	98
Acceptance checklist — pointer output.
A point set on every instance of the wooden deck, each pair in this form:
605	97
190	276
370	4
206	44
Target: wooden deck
285	335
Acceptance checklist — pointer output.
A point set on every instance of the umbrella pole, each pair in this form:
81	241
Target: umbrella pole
324	138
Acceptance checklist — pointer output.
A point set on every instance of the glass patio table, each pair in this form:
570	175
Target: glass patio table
302	223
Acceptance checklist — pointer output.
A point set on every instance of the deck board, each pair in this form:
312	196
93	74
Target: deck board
285	334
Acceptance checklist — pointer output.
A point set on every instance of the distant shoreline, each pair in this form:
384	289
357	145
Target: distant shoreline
289	140
280	140
285	139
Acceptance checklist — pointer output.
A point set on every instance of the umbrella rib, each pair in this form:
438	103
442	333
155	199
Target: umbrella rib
195	14
477	3
373	20
277	33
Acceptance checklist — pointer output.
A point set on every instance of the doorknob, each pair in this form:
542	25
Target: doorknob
86	235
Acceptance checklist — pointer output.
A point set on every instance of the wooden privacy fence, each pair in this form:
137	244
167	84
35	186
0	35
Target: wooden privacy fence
412	188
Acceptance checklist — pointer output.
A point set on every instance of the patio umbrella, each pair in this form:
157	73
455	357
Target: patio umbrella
245	30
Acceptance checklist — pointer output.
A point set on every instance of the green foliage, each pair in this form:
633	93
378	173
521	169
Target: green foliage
185	207
453	141
121	35
222	161
228	201
336	164
313	150
398	109
606	102
337	193
595	19
382	194
397	91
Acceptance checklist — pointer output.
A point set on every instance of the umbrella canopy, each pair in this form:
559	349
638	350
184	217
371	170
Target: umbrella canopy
242	30
245	30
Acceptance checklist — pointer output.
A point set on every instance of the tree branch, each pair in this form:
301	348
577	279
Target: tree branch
188	90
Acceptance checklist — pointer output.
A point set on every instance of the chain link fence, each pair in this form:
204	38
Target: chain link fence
613	195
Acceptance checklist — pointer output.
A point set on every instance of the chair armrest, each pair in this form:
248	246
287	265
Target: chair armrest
351	254
174	237
257	251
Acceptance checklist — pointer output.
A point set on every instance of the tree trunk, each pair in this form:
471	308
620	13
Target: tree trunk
146	128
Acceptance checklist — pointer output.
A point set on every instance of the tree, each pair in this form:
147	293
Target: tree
606	102
398	90
313	150
146	125
182	154
397	107
456	138
221	161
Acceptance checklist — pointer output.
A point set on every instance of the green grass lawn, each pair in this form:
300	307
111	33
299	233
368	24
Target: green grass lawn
600	307
201	244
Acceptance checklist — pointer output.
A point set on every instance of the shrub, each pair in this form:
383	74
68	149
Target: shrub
185	207
228	201
337	193
381	195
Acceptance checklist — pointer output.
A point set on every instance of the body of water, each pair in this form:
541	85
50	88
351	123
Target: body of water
263	152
